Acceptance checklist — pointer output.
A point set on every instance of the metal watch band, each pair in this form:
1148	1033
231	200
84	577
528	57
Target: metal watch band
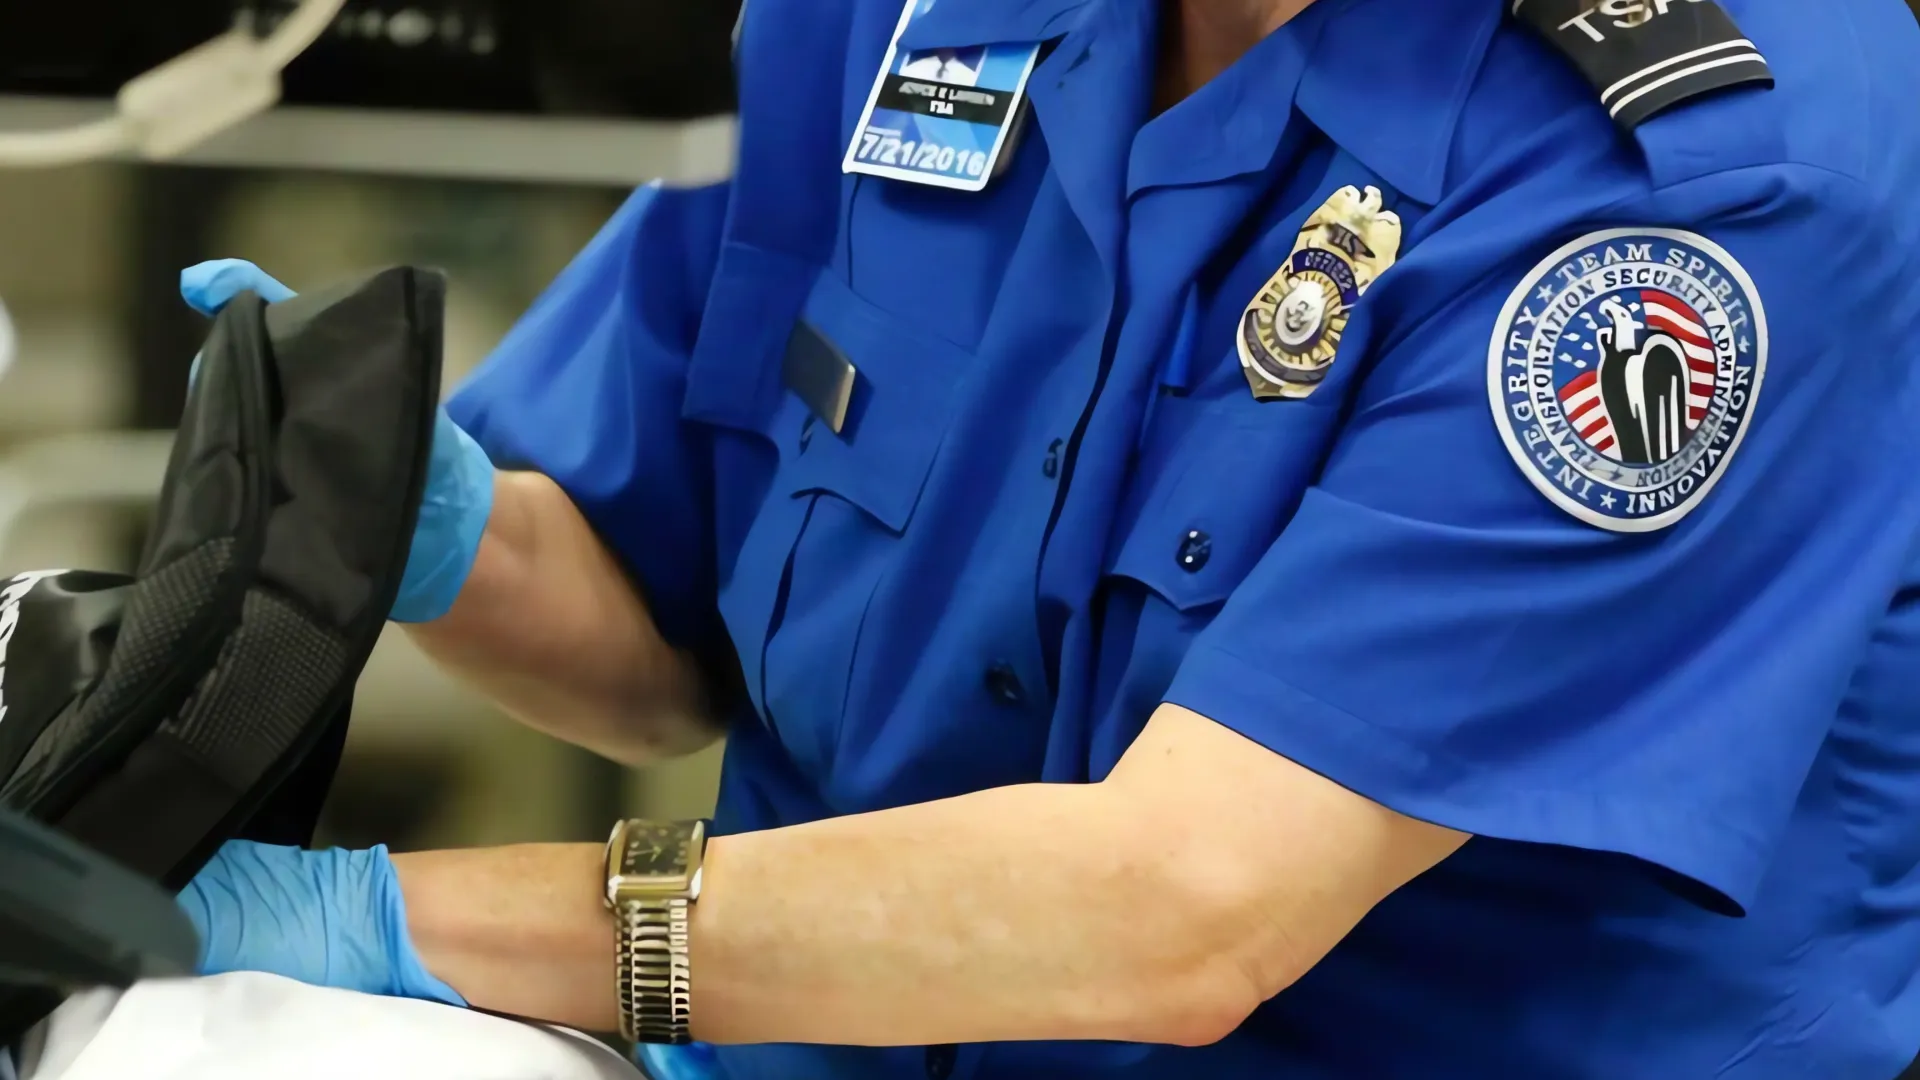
653	880
656	981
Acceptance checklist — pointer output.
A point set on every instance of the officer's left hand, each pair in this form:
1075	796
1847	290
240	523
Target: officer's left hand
459	497
210	286
328	918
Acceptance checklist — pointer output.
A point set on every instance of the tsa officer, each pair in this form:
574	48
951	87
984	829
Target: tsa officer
1358	538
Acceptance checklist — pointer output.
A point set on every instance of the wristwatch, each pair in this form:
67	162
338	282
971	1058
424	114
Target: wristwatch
653	880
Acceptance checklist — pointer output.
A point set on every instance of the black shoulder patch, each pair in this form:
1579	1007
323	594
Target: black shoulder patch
1645	56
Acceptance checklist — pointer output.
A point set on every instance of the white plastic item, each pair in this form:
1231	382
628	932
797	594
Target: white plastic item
9	342
250	1026
183	102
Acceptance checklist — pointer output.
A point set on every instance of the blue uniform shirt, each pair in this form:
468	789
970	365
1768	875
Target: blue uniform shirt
1597	540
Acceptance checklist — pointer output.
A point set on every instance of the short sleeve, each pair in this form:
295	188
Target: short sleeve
1435	632
587	389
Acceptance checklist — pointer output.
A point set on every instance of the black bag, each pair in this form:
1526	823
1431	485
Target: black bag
206	699
70	919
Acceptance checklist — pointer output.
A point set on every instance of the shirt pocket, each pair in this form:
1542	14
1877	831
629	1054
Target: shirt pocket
828	528
1217	482
898	414
896	420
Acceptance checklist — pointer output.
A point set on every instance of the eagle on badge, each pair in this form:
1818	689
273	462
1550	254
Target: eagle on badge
1645	382
1290	333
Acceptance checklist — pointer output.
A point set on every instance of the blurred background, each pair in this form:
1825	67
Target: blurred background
487	138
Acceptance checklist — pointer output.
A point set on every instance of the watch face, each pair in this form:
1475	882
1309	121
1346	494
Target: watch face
657	850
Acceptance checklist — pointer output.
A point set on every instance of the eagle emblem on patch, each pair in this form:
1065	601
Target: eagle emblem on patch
1623	372
1290	333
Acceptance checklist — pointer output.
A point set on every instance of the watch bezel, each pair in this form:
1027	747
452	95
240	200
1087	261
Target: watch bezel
682	883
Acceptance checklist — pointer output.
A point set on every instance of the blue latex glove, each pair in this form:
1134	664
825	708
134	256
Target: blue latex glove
209	286
328	918
459	495
696	1062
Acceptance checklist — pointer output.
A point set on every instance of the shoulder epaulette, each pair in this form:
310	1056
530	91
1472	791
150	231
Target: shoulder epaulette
1646	56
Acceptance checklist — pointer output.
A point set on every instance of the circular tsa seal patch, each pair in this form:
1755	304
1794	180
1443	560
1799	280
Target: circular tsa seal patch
1623	372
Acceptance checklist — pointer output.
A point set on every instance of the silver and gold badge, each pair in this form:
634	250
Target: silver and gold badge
1291	331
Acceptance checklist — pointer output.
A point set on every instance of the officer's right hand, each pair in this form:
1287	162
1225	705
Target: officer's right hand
459	494
327	918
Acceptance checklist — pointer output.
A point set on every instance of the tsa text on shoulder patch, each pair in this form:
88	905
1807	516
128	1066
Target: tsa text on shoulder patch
943	117
1623	374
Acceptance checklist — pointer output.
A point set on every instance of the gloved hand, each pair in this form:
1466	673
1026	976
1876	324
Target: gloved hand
209	286
459	495
327	918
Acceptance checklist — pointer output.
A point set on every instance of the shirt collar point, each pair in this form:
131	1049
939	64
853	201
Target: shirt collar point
1389	86
967	23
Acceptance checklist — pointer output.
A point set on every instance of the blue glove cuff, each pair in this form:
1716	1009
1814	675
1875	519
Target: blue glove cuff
453	518
411	979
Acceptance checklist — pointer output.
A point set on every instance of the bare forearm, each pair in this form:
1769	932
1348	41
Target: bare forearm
549	627
1033	912
1020	913
1203	876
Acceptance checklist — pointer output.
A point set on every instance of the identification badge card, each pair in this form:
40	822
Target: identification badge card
943	117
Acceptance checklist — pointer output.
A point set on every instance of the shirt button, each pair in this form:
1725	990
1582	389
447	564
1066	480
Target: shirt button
1004	684
1196	550
940	1061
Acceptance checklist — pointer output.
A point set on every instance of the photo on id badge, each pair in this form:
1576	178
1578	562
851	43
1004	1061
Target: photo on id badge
941	116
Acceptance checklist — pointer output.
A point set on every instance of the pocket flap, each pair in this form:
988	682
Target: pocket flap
899	412
1214	489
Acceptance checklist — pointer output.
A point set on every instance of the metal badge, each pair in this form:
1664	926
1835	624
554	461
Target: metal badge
1290	333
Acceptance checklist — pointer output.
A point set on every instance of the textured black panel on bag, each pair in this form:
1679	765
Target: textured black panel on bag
291	812
160	615
160	612
271	678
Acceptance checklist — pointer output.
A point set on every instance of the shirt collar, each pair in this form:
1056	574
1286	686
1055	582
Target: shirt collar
963	23
1388	80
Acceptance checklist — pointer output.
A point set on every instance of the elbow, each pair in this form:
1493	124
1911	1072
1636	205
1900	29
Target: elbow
1223	958
655	736
1201	1020
1196	1007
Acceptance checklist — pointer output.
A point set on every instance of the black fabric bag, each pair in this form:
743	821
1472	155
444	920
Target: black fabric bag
206	699
71	919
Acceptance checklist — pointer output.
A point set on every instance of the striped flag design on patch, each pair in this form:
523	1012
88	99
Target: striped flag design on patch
1580	399
1671	316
